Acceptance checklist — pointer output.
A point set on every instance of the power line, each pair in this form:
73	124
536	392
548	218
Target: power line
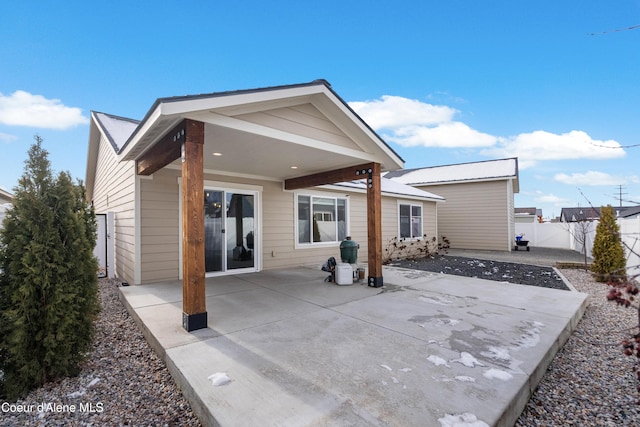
618	30
619	147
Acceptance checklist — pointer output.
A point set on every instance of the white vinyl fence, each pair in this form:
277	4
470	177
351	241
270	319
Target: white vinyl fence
579	236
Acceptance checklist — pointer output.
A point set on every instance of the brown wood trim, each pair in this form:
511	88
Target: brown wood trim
164	151
329	177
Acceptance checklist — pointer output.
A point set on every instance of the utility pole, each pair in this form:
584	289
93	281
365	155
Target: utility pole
620	193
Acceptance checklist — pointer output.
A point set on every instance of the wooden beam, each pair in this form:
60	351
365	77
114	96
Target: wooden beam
370	172
163	152
374	226
330	177
194	309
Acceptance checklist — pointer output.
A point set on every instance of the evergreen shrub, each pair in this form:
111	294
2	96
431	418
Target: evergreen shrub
48	280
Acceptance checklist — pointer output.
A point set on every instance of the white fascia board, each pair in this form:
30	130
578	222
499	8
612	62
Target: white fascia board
92	156
148	124
287	96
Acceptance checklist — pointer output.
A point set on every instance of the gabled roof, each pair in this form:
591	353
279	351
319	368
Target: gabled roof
579	214
117	129
489	170
391	188
166	112
272	133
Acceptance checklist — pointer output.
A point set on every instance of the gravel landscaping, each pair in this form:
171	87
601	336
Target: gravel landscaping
122	383
590	381
523	274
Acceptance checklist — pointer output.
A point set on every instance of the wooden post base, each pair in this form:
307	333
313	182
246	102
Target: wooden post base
193	322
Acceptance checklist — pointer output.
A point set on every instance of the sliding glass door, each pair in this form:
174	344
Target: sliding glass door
230	230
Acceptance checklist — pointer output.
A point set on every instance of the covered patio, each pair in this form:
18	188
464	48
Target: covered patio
426	349
237	144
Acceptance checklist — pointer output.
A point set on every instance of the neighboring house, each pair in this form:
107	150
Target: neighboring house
244	181
527	215
5	203
579	214
479	208
592	213
630	212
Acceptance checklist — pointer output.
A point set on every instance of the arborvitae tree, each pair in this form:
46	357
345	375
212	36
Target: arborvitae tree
608	254
48	280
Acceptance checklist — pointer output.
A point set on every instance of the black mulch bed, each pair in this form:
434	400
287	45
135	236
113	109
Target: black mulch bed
522	274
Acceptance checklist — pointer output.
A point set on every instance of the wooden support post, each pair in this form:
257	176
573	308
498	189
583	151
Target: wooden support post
374	225
194	311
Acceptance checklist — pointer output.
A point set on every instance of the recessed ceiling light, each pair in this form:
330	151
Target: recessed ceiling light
294	167
217	154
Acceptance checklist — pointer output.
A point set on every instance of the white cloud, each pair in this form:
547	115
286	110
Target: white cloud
595	178
391	112
6	138
25	109
530	148
451	134
550	198
412	123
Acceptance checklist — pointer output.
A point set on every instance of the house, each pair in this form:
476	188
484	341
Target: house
527	215
630	212
479	209
243	181
5	203
580	214
5	197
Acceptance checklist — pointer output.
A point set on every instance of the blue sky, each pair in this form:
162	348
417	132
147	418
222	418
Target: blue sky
553	83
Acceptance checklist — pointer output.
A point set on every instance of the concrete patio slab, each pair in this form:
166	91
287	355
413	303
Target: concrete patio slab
426	349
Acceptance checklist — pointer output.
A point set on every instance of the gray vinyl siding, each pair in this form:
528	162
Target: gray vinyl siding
114	191
475	215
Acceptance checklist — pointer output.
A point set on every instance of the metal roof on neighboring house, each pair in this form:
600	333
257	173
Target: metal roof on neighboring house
474	171
391	188
525	211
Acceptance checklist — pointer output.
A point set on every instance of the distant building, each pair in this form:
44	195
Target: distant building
592	214
5	203
5	197
527	215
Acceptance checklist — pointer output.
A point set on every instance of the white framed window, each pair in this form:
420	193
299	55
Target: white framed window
409	221
320	219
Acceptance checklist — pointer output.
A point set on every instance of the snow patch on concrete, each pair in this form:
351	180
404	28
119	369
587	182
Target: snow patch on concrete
468	360
497	374
461	420
219	379
438	361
